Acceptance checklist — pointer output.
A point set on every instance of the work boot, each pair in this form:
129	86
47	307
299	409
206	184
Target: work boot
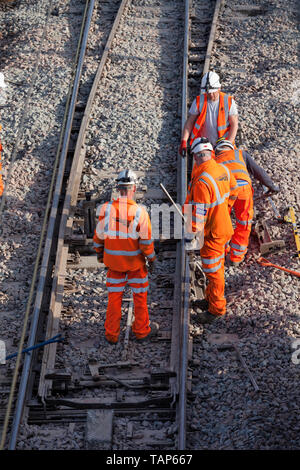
201	304
108	340
154	331
206	317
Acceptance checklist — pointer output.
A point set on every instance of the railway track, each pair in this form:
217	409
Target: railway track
163	394
68	381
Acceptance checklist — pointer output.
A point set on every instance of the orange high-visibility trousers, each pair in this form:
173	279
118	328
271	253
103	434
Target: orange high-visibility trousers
243	209
116	282
212	257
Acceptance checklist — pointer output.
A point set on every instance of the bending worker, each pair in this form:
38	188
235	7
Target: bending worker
211	191
123	242
237	161
2	87
213	114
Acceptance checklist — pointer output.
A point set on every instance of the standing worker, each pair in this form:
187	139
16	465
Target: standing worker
211	191
238	162
2	87
123	242
213	114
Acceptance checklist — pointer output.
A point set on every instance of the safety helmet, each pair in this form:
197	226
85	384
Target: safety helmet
2	82
224	143
126	178
210	82
201	143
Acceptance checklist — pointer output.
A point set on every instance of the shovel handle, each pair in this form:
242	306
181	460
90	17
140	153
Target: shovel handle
265	262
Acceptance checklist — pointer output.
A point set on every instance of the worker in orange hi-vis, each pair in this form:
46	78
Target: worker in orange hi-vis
213	114
2	87
123	242
243	206
211	192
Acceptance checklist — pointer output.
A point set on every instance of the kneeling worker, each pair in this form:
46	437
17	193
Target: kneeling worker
123	242
211	191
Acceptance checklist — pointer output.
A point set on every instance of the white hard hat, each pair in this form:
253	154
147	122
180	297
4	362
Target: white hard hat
2	82
210	82
224	143
201	143
126	178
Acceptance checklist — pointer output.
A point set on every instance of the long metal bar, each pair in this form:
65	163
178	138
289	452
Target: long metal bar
184	329
71	201
50	231
212	36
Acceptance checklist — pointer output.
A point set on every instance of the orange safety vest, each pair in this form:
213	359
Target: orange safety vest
209	193
123	235
223	115
233	159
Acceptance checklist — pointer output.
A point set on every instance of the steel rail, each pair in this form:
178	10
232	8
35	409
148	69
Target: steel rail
51	225
212	36
69	203
182	256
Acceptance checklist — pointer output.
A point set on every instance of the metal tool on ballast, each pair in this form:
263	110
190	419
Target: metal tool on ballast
291	218
229	341
264	262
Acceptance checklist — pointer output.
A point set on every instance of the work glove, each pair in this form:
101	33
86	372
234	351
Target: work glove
273	188
183	149
151	266
189	236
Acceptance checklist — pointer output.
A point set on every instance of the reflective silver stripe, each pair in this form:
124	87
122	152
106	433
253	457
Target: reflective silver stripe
122	252
99	232
136	219
201	102
242	183
115	281
243	222
115	289
97	245
214	269
237	157
226	107
120	234
238	247
107	217
139	290
197	126
146	242
240	171
211	260
151	256
203	181
137	280
238	253
207	175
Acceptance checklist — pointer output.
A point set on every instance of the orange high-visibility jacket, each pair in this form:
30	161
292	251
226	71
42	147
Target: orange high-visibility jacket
123	235
209	193
233	159
223	115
